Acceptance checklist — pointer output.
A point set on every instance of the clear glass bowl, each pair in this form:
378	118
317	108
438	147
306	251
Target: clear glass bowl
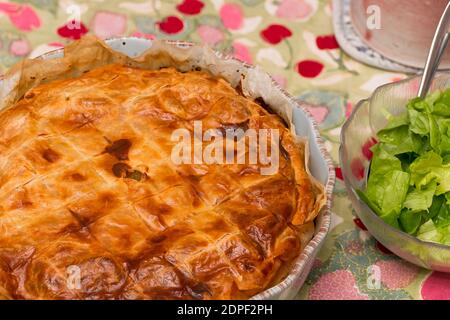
357	137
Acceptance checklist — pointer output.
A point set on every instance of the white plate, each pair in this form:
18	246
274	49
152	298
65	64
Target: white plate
350	41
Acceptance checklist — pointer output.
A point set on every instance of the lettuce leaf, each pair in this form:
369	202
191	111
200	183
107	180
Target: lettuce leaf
400	140
435	208
419	122
442	216
410	221
430	167
429	232
435	134
387	185
409	179
442	103
420	199
441	109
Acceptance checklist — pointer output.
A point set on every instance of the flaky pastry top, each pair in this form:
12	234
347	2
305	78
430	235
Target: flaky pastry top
92	207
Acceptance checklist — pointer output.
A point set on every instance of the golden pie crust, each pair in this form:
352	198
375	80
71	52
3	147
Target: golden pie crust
86	182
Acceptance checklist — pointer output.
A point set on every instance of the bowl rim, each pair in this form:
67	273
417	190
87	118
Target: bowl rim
300	263
345	174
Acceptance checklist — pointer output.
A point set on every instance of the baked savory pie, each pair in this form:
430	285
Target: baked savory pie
92	207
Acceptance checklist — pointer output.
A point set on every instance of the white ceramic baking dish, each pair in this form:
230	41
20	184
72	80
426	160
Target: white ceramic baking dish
320	167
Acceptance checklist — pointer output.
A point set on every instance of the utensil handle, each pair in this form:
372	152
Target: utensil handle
438	46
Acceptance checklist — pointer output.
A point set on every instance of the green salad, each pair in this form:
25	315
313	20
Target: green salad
409	178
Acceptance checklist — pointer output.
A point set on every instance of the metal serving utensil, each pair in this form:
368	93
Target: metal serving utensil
438	46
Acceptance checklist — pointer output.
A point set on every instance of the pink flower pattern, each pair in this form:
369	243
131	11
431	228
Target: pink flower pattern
19	47
23	17
294	9
319	113
397	274
232	16
339	285
242	52
436	287
210	35
107	24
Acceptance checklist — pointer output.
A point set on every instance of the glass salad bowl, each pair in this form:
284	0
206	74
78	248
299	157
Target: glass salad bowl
357	137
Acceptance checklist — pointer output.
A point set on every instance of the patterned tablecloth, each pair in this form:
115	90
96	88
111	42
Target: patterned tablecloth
291	39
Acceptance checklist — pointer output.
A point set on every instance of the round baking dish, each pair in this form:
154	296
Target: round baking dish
320	165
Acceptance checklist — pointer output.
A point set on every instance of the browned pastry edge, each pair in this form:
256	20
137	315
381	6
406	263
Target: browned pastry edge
214	232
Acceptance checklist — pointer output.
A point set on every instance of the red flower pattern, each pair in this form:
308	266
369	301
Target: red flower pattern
309	68
72	30
383	248
359	224
357	169
366	148
171	25
190	7
436	286
327	42
339	174
275	33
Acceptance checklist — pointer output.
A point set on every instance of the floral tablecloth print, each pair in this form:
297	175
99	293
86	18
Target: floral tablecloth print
291	39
